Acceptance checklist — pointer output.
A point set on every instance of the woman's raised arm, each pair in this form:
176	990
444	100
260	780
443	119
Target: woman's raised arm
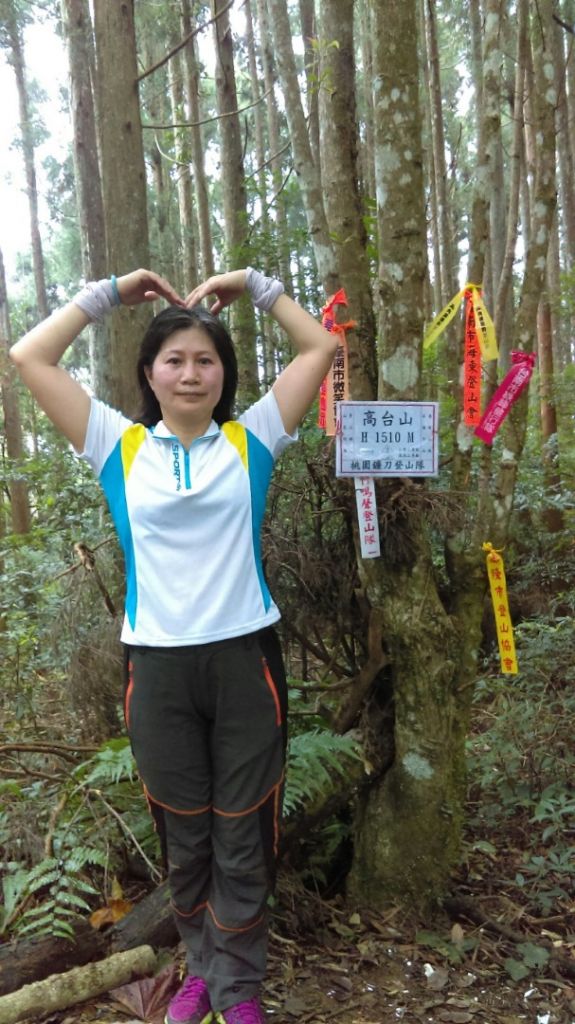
38	353
297	386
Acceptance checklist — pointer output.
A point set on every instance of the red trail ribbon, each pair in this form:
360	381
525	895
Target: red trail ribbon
506	395
471	365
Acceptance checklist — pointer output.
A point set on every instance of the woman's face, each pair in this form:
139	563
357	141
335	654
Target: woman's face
187	376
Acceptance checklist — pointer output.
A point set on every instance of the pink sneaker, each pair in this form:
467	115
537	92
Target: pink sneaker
249	1012
191	1004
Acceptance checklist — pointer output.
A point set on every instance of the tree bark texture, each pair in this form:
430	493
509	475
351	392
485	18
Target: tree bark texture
16	58
408	824
552	515
235	204
305	168
76	986
186	261
543	211
197	146
124	193
18	489
341	194
275	146
78	31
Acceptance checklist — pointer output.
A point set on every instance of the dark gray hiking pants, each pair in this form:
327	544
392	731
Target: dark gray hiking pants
207	725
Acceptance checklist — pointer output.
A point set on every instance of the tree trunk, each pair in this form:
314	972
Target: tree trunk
366	153
186	262
16	58
409	822
275	145
124	194
504	293
197	146
235	204
305	168
565	163
342	200
19	502
311	68
447	270
543	210
552	516
266	326
78	32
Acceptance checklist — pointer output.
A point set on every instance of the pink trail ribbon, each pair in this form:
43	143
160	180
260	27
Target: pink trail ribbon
506	395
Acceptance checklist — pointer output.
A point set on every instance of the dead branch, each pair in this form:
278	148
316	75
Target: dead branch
88	560
176	49
76	986
205	120
58	749
318	652
111	810
376	660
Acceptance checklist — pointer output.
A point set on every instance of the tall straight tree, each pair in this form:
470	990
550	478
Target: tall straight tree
533	283
17	487
274	139
234	201
192	79
186	265
12	40
307	171
79	38
123	184
343	204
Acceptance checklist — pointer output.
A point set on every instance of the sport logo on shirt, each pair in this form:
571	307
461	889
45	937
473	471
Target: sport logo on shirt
176	466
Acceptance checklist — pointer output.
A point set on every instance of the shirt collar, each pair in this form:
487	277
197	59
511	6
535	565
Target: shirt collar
160	430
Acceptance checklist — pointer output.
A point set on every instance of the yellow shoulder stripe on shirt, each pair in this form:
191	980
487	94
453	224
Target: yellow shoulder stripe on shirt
132	438
236	435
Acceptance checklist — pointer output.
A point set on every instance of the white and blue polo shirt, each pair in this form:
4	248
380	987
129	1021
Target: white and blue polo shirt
189	522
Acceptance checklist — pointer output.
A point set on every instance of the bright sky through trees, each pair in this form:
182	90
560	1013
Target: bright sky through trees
46	64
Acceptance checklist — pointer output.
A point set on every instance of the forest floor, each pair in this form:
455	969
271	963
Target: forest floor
369	968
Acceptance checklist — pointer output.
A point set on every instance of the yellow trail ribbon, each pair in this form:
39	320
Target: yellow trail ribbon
484	323
498	587
442	319
485	328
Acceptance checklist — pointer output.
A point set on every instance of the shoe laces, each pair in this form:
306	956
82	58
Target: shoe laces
248	1012
192	988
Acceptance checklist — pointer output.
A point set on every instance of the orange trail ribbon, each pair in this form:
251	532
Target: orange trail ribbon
335	386
472	364
498	587
506	395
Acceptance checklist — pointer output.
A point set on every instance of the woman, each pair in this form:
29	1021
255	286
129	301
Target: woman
206	694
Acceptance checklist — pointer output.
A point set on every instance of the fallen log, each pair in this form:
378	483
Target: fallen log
76	986
150	923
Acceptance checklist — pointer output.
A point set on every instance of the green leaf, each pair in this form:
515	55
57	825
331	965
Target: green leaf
516	969
533	956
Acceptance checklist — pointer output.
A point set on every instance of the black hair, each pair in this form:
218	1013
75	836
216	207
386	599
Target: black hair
176	318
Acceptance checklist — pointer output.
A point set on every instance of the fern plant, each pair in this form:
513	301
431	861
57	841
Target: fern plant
313	759
63	887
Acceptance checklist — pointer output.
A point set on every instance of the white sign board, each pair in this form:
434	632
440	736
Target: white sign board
387	439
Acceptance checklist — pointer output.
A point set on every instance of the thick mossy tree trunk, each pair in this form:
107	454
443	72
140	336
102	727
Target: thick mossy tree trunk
409	822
